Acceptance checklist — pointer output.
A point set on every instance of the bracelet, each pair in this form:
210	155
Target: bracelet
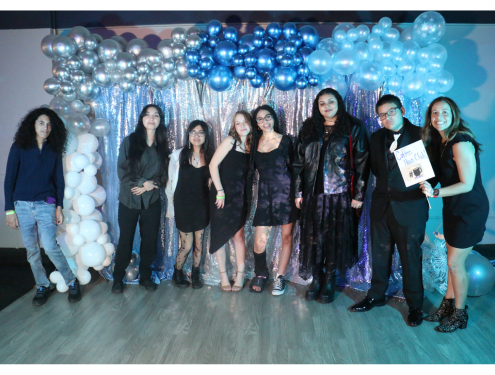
11	212
220	197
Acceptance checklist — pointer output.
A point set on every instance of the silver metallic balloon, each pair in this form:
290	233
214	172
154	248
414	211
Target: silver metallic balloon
136	45
69	97
98	37
77	105
116	75
46	46
77	76
193	42
131	274
130	75
110	65
158	79
178	35
99	127
78	124
179	49
62	73
141	79
78	34
52	86
86	109
87	91
169	64
481	275
143	68
193	30
151	57
108	50
101	76
90	42
125	60
74	62
61	106
126	86
67	87
89	60
63	46
58	63
121	40
180	70
165	48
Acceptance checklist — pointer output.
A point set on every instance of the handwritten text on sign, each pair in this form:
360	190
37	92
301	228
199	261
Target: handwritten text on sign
414	164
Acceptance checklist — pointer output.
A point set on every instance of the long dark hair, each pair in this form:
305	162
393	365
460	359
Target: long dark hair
187	151
343	124
25	137
257	132
138	143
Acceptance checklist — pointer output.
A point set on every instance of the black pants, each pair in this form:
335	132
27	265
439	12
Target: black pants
385	234
149	224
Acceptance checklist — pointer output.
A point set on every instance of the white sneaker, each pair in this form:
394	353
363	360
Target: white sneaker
278	286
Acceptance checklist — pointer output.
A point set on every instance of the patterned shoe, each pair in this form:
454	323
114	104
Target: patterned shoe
445	309
278	286
458	319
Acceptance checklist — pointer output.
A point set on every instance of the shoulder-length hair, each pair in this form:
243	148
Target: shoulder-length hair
138	143
257	132
25	137
431	136
206	149
233	132
343	124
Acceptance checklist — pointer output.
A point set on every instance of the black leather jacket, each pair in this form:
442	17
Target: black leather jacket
338	172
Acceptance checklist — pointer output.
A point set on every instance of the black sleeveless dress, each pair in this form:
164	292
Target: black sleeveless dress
276	193
227	221
464	215
192	211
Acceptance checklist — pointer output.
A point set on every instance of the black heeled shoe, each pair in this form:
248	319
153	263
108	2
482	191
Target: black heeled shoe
458	319
179	279
315	287
327	293
445	309
196	279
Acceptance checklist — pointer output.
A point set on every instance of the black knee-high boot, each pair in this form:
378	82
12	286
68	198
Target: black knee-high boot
327	293
315	286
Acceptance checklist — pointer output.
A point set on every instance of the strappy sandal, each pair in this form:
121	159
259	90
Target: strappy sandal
225	288
259	281
237	288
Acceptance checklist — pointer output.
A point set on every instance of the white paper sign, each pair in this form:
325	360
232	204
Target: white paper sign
414	164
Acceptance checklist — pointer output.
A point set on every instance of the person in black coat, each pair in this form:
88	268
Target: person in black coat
398	213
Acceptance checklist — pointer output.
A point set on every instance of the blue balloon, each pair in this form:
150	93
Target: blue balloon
243	49
257	41
238	60
230	33
297	59
309	35
313	80
213	41
257	81
203	36
193	70
289	30
266	60
301	83
286	60
247	39
240	72
206	63
259	31
220	78
201	75
224	52
284	78
214	27
267	41
206	52
290	48
302	70
250	59
305	52
297	40
279	46
251	72
279	56
192	57
274	30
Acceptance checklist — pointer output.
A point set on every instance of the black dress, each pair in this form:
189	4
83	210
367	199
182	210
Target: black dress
276	193
464	215
227	221
192	211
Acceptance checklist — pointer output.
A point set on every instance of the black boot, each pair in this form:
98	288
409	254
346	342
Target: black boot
196	279
315	286
444	310
327	293
179	279
458	319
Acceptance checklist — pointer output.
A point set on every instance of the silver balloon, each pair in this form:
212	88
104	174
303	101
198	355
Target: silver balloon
86	109
78	34
78	124
77	76
180	70
89	60
61	106
193	42
481	275
90	42
116	75
179	49
131	274
126	86
46	46
87	91
136	45
143	68
74	62
99	127
101	77
193	30
69	97
130	75
98	37
52	86
59	63
67	87
178	35
165	48
169	64
159	79
125	60
141	79
110	65
121	40
63	46
151	57
62	73
108	50
77	105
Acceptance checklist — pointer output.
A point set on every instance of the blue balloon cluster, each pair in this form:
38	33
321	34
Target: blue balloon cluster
277	53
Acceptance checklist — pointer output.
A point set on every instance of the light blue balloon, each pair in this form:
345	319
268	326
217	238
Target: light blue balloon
220	78
422	68
284	79
388	68
266	60
405	67
346	62
424	55
376	45
428	27
431	80
363	51
344	26
385	23
339	36
309	35
353	35
378	30
396	48
411	49
413	85
438	52
330	45
391	35
224	53
435	66
347	45
369	76
319	62
445	81
481	275
394	83
364	31
334	81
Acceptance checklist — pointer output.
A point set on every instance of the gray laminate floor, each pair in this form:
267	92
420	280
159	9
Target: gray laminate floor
174	325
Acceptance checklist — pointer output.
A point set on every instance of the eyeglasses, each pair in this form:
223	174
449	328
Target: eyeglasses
266	118
391	112
192	133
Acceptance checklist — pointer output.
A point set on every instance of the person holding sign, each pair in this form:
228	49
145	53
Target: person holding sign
398	213
465	203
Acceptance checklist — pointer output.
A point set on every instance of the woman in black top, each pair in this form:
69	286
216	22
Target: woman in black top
228	203
272	156
452	146
187	194
142	170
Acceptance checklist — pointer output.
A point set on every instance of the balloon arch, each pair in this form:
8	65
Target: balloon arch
100	86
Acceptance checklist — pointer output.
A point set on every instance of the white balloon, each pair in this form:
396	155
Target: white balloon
88	184
72	179
98	268
69	192
70	217
78	240
96	215
83	276
109	248
84	205
68	162
107	261
104	227
91	157
92	254
56	277
62	287
67	204
90	170
99	195
103	239
73	229
77	194
66	245
72	144
90	229
80	161
87	143
98	160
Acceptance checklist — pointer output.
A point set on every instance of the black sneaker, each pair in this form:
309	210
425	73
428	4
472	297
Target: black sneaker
278	286
149	285
42	295
75	294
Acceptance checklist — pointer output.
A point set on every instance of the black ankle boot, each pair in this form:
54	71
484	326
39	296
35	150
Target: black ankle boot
196	279
458	319
327	293
315	286
444	310
179	278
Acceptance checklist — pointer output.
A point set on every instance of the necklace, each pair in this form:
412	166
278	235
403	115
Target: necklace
328	129
196	161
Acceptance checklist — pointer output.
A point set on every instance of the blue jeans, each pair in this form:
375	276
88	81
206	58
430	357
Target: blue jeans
38	219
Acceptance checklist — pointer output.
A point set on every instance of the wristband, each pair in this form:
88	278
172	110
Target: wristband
220	197
11	212
436	193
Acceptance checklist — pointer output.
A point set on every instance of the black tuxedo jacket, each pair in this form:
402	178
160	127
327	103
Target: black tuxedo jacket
408	204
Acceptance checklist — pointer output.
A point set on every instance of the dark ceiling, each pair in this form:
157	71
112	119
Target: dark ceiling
68	19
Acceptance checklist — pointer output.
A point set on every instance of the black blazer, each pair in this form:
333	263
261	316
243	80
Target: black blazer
408	204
